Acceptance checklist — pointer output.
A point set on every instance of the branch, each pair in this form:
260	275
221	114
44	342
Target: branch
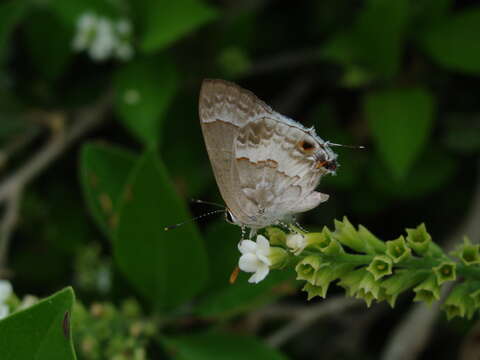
306	316
84	120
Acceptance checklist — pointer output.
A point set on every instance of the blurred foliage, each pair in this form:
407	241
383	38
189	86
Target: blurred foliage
399	77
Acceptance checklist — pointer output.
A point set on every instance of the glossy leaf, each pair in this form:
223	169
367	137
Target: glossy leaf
104	171
143	91
166	267
41	332
167	21
216	346
400	122
453	43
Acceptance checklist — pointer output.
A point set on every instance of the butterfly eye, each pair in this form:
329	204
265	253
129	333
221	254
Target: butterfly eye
306	146
229	217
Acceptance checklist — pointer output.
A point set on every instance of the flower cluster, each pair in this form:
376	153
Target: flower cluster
367	267
103	38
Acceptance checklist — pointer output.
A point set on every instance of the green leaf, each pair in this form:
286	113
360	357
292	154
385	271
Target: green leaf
168	268
379	35
49	57
144	89
11	13
453	43
104	171
165	22
241	296
41	332
400	121
216	346
365	45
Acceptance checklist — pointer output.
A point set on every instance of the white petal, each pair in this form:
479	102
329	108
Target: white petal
248	263
263	244
264	259
5	290
4	311
247	246
259	275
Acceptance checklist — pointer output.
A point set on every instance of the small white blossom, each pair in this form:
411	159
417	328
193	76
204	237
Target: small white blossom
5	290
254	258
296	243
104	43
86	25
103	38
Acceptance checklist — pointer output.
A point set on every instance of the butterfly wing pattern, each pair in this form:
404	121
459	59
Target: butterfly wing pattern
266	165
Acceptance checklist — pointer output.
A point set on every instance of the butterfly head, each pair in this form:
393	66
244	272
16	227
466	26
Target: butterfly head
326	159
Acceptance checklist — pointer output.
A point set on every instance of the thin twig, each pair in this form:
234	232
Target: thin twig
305	317
12	187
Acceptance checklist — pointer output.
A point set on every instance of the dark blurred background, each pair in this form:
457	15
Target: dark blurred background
400	77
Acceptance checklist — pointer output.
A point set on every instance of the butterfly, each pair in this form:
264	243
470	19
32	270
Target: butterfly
266	165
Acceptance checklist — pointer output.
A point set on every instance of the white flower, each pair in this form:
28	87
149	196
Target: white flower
124	27
254	258
86	25
296	243
5	290
105	41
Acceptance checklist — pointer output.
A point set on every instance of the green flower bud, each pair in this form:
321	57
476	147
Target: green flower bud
278	257
383	296
380	266
468	253
314	290
398	250
326	274
418	239
428	290
402	280
307	268
459	302
444	272
351	281
324	242
276	236
369	285
346	234
372	243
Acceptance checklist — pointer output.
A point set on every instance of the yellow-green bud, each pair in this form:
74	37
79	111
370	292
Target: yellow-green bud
398	250
444	272
346	234
380	266
459	302
428	290
307	268
373	245
418	239
276	236
468	253
278	257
